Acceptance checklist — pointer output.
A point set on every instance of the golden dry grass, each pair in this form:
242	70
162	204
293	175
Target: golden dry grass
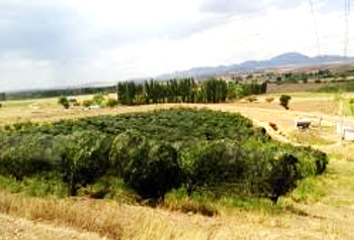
85	215
113	221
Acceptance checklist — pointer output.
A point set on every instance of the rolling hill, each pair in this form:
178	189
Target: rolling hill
291	59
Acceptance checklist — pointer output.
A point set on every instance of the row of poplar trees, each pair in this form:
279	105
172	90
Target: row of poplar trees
183	90
2	96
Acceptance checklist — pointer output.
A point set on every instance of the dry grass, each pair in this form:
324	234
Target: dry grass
294	87
310	137
16	228
85	215
115	221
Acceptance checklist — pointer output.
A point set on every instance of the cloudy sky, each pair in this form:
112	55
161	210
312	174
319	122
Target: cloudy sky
70	42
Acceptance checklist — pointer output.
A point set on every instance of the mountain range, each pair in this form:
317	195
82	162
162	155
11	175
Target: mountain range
292	59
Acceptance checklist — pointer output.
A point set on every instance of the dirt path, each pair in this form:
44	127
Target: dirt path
14	228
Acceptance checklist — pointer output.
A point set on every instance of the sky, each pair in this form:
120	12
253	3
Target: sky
58	43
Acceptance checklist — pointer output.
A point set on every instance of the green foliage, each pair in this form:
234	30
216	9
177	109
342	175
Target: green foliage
83	158
124	147
112	103
215	90
270	99
210	164
64	102
284	101
185	90
252	99
127	92
284	176
341	86
2	96
153	169
25	156
98	99
87	103
22	95
221	153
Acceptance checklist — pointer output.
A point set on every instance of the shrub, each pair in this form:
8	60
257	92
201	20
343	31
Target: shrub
210	164
283	177
26	156
252	99
284	101
273	126
124	147
154	171
64	102
269	99
87	103
112	103
0	105
83	158
98	99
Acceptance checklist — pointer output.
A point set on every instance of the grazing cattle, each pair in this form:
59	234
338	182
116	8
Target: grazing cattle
302	123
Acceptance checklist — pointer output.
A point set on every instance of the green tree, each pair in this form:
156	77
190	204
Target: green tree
2	96
83	158
284	101
64	102
154	171
210	164
26	155
279	79
124	148
284	177
98	99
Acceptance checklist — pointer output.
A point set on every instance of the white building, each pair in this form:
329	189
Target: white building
346	131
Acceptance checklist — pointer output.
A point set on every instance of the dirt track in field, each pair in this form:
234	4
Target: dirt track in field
15	228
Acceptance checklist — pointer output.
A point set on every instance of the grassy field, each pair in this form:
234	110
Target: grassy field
320	208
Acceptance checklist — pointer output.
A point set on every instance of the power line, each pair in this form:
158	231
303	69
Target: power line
315	27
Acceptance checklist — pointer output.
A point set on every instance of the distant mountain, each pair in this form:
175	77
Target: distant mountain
291	59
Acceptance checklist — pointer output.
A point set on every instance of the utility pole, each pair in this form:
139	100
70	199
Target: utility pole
341	119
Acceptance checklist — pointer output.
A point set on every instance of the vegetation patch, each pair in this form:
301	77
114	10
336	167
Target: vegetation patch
309	137
150	154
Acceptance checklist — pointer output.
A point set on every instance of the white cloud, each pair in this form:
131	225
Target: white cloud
78	41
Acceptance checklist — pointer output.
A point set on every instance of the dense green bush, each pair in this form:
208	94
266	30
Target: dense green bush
112	103
64	102
83	158
211	164
158	151
87	103
153	169
98	99
26	155
284	101
124	147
